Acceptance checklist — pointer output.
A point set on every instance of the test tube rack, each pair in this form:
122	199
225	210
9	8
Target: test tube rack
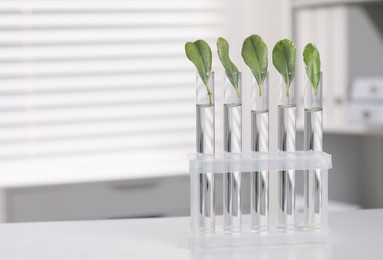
312	229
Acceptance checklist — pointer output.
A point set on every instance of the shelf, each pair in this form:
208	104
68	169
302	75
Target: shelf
315	3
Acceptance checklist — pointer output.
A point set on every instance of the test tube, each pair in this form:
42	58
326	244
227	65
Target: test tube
232	212
259	181
205	124
313	132
286	142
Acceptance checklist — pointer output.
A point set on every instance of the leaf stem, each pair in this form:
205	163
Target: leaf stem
210	100
287	92
209	94
260	89
237	91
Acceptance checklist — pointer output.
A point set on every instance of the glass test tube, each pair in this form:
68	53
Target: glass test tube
286	142
313	132
259	181
232	212
205	122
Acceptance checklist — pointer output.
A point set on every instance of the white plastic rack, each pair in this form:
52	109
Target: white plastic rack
308	227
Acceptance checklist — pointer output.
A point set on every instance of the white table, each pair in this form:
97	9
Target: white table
356	235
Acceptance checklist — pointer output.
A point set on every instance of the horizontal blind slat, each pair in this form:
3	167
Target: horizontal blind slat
103	144
68	99
94	36
77	67
104	5
87	130
103	21
96	114
97	81
32	53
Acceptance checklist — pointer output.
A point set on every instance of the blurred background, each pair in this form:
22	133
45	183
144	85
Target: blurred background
97	99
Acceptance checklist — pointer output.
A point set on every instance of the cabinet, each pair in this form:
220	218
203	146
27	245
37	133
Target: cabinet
151	197
348	35
135	198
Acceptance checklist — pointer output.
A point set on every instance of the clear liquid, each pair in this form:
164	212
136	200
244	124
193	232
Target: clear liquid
313	130
260	131
286	128
232	212
205	129
232	128
206	144
286	179
259	181
313	133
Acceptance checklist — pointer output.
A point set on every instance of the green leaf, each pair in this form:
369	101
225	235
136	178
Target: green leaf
199	53
311	59
230	69
284	60
254	53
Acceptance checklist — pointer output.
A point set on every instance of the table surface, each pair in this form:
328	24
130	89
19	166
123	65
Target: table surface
355	235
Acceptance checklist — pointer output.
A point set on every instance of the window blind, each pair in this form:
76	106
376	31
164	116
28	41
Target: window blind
98	88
